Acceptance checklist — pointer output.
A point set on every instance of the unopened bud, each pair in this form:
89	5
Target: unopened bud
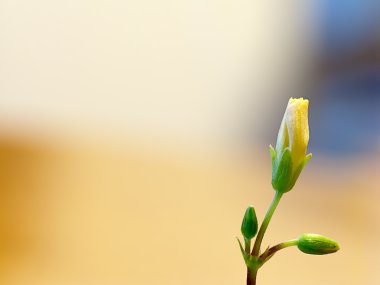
290	155
249	224
316	244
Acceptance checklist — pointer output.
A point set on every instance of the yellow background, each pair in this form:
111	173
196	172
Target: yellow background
121	158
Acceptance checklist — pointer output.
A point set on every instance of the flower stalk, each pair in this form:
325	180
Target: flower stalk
288	160
264	225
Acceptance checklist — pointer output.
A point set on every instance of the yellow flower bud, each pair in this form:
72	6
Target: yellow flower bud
290	157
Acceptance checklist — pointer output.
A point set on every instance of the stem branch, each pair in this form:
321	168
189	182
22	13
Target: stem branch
269	253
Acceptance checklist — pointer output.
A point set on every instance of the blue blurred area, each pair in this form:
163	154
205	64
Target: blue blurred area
346	25
346	120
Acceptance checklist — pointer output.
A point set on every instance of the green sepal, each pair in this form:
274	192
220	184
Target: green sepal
273	155
299	170
241	248
252	262
282	171
272	152
249	224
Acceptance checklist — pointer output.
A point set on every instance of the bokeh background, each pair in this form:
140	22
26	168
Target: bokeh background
133	135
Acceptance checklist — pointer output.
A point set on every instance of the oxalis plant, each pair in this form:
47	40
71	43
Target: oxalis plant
288	160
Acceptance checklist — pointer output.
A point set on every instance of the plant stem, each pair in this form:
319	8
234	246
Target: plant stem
264	225
247	245
269	253
251	276
283	245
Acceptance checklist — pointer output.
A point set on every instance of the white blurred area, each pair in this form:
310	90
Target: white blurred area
186	70
130	145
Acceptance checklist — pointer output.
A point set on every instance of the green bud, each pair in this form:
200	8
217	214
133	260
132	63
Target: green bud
316	244
249	224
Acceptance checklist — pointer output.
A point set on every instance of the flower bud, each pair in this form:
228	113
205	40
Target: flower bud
249	224
316	244
290	157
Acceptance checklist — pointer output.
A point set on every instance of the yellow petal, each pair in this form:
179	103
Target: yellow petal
296	121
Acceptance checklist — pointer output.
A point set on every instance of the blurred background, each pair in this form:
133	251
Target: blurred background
133	135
